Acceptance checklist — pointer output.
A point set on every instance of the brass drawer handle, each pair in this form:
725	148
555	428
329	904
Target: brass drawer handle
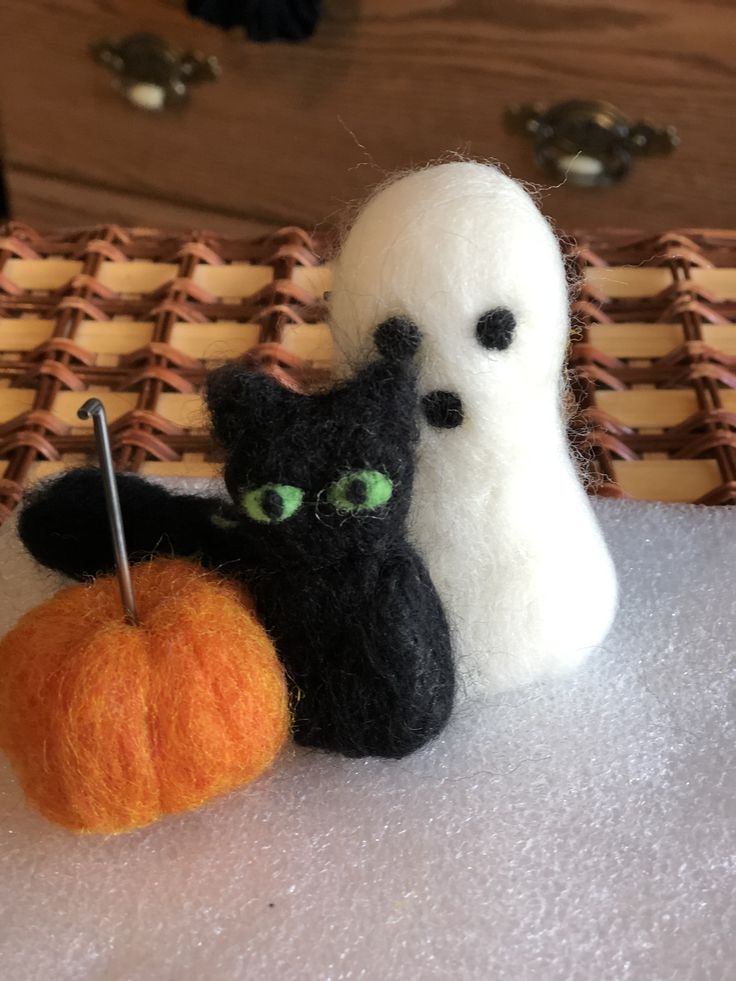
591	144
152	74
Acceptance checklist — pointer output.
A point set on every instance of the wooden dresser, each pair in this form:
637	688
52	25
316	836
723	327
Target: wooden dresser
291	133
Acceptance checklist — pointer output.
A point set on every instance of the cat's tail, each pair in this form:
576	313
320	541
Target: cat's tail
64	525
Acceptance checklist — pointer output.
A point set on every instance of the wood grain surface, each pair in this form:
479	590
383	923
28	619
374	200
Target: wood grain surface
295	133
50	201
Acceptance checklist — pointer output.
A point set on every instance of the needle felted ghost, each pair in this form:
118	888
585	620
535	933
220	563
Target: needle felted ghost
321	487
498	512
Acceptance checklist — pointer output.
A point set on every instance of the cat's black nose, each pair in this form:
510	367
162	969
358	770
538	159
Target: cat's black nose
443	410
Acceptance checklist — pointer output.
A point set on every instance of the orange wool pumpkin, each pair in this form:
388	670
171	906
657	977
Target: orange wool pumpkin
109	726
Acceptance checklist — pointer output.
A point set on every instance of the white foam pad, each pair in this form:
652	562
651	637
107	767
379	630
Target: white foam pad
581	828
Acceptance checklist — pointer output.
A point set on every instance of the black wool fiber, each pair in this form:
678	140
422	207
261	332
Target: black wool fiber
316	529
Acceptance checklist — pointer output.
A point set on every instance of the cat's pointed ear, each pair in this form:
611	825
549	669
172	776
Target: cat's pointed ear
239	398
385	387
397	339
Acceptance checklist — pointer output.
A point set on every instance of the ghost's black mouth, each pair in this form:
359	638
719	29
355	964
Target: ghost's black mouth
443	410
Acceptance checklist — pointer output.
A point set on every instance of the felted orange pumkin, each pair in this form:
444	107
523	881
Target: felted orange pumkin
110	726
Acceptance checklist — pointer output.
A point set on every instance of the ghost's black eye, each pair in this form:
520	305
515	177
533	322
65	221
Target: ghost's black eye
443	410
495	329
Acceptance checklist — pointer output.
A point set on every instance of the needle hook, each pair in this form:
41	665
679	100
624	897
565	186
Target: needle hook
96	410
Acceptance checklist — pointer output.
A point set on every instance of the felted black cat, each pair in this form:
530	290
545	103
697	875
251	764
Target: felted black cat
320	487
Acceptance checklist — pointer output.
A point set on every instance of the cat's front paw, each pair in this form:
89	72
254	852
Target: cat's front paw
397	339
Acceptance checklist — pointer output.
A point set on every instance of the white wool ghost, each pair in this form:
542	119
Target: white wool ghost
499	513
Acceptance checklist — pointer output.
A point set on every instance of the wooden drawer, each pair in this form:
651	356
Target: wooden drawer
290	133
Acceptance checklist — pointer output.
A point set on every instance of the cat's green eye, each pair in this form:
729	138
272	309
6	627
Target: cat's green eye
272	502
360	490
